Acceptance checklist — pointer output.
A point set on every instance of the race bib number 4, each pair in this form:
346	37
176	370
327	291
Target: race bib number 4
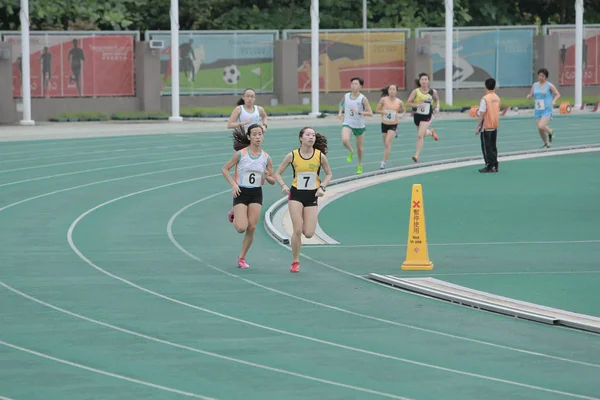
307	180
540	105
424	109
252	179
389	115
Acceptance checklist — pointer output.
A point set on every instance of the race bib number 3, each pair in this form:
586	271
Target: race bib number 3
389	115
424	109
540	105
252	179
307	180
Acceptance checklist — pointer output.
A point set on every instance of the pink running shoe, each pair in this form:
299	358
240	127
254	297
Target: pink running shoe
435	136
295	267
242	263
230	216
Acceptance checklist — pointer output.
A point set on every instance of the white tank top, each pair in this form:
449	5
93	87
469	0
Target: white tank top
250	171
244	115
350	118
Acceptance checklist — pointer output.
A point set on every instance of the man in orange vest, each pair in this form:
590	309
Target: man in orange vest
487	126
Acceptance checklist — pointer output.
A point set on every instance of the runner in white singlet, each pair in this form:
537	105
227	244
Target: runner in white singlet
355	107
247	113
253	167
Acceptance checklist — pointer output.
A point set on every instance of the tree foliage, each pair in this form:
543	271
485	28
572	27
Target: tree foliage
145	15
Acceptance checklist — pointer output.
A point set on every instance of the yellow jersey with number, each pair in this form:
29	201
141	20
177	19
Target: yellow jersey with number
306	170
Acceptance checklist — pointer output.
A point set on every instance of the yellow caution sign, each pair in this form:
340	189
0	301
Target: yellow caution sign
417	254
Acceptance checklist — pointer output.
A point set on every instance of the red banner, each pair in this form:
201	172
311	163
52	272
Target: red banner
76	66
566	56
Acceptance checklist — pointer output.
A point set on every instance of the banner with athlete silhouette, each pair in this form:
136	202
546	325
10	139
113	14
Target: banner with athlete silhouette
218	62
75	65
377	56
502	53
566	55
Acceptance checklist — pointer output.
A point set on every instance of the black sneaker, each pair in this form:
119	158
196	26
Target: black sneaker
488	170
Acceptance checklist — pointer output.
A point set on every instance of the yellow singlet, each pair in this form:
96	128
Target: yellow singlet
306	170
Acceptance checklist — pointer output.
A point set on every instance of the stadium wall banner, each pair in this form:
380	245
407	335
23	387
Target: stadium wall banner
503	54
566	55
375	56
219	63
75	65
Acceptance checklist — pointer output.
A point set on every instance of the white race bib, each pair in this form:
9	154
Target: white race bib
252	179
307	181
389	115
540	105
424	109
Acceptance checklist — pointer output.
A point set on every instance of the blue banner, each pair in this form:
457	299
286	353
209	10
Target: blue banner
505	55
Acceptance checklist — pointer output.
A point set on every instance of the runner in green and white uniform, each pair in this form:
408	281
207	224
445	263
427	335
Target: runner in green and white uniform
355	107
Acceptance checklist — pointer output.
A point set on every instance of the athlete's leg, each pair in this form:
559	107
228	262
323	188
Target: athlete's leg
240	217
360	148
253	217
346	132
542	125
422	131
388	138
295	208
310	221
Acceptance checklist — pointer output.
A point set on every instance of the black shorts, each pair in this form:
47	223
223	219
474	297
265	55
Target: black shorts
308	198
420	117
385	128
248	196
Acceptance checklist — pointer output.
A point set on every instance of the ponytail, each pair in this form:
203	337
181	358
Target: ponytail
240	138
240	102
320	143
385	91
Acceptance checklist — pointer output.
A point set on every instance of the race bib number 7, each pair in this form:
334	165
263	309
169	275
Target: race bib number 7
424	109
252	179
307	180
540	105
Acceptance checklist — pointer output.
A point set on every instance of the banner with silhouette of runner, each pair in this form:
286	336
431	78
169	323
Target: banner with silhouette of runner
75	65
503	54
566	55
376	56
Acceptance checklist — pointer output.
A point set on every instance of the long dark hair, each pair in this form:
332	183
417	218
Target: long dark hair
241	137
320	140
418	80
241	100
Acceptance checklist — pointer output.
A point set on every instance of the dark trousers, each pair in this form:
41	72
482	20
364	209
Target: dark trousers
489	149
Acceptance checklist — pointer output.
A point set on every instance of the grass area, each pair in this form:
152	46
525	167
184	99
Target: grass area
291	109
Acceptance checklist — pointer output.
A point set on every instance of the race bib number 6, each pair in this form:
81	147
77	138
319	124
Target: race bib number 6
540	105
252	179
307	180
424	109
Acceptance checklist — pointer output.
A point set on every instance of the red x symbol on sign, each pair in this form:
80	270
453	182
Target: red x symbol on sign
416	204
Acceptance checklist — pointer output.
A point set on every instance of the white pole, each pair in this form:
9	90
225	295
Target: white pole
365	14
449	44
578	53
175	117
314	56
26	72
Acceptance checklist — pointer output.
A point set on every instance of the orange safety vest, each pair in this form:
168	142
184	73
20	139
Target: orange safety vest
491	117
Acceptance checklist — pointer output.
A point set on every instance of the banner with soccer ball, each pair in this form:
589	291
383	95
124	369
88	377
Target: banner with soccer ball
219	63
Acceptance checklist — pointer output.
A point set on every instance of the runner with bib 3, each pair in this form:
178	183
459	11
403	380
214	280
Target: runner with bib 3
253	167
306	188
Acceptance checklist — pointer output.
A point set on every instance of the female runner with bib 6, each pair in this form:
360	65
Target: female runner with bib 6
252	167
